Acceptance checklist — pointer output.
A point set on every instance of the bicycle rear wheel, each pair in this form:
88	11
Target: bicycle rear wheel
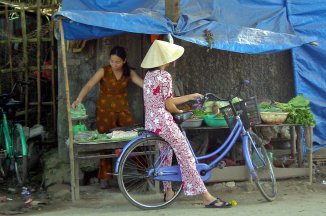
137	172
20	155
261	168
6	165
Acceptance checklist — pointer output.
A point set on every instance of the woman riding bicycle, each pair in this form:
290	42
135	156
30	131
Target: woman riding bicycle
159	104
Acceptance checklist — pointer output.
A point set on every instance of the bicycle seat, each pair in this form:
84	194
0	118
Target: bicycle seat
3	99
181	117
13	102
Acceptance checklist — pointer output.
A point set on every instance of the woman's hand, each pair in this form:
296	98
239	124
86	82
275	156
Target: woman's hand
75	103
171	103
194	96
171	107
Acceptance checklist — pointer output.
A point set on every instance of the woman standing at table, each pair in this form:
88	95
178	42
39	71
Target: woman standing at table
112	109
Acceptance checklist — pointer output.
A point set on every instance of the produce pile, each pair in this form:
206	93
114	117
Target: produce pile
298	109
202	108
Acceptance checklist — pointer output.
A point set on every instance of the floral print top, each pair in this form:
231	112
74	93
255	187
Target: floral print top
157	88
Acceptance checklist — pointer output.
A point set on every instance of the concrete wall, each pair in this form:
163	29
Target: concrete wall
200	71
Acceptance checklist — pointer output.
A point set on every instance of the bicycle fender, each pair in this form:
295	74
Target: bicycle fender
22	139
116	169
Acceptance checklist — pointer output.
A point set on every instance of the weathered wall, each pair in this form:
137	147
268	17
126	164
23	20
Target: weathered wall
216	71
200	71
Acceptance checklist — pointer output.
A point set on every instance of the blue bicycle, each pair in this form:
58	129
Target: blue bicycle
140	167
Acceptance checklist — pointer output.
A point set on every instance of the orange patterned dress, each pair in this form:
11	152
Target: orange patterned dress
112	110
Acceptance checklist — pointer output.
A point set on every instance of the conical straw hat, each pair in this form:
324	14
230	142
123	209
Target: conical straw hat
161	53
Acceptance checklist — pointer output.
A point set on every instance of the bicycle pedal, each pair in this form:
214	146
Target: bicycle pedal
221	164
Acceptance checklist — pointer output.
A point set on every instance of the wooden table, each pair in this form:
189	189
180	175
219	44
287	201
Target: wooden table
296	145
92	150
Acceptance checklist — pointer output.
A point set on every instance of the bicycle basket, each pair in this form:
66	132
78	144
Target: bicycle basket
248	111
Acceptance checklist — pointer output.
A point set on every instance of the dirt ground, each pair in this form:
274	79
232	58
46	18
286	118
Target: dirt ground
295	197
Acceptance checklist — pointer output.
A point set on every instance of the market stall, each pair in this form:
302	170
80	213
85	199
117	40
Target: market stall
86	20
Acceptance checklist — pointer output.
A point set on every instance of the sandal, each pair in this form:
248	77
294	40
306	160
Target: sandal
223	205
165	196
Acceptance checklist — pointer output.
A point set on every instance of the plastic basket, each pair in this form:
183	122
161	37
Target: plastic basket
248	111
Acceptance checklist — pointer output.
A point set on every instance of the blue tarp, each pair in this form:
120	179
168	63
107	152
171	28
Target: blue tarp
309	61
244	26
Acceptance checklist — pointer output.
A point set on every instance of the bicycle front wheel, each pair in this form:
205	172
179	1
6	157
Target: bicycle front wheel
20	154
261	168
137	172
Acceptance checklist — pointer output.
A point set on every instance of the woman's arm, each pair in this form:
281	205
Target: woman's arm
136	79
89	85
171	103
186	98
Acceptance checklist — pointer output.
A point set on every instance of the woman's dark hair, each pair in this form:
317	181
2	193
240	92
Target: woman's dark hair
121	52
152	69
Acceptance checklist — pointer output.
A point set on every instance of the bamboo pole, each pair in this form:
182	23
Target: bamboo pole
172	10
21	6
74	190
25	58
12	10
54	108
20	40
43	103
9	43
30	68
38	59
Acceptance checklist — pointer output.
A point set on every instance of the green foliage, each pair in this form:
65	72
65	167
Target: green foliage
199	113
299	111
268	107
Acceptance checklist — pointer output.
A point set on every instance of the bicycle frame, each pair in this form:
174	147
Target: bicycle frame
172	173
6	133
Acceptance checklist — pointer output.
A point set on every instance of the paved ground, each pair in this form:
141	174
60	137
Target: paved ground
296	197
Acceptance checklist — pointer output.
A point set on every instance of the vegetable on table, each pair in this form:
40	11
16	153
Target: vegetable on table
298	109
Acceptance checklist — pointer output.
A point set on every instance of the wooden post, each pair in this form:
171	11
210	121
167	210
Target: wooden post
74	189
293	147
308	138
172	10
9	42
38	59
311	133
299	145
54	109
25	58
